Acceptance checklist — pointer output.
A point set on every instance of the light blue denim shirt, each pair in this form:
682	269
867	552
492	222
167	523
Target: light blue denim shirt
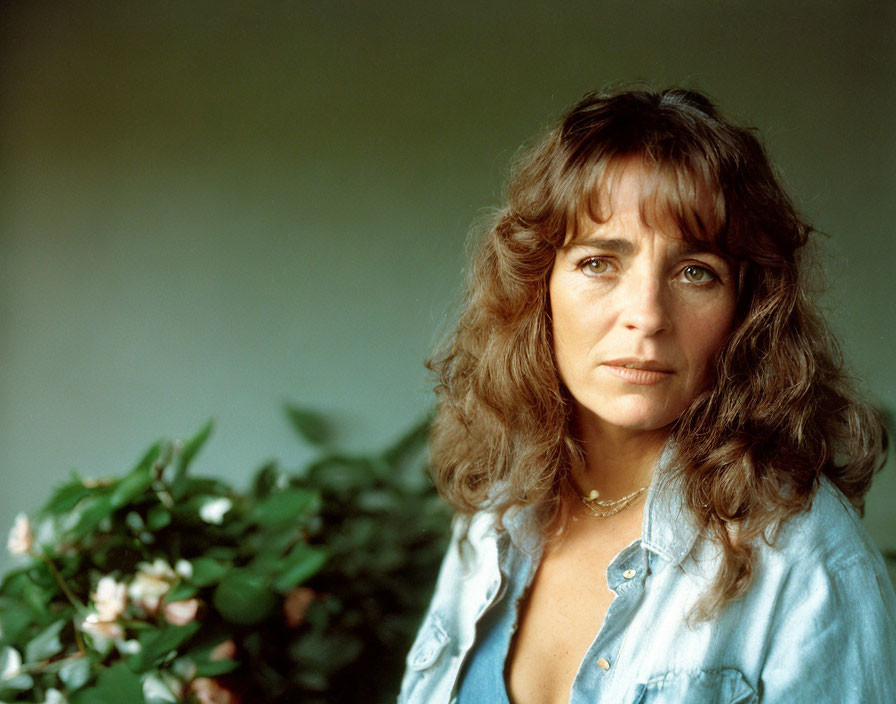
818	623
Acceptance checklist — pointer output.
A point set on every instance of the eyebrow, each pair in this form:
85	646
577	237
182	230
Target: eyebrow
626	247
618	246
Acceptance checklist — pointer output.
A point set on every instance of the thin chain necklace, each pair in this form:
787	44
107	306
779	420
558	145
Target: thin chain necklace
605	509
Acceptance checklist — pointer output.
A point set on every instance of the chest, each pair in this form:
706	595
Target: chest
558	621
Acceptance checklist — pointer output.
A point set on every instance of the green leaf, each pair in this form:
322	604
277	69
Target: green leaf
181	591
342	473
134	484
65	497
190	450
115	685
242	597
267	480
410	445
149	457
221	553
213	668
15	580
302	563
378	501
287	506
75	673
45	644
158	517
17	683
156	645
92	515
37	597
207	571
14	621
324	653
310	425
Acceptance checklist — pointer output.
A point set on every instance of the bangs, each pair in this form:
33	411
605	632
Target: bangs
677	199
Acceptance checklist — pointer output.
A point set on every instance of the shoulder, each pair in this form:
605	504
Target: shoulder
824	557
828	535
832	607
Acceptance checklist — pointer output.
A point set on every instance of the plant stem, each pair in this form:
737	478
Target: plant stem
62	585
79	641
79	607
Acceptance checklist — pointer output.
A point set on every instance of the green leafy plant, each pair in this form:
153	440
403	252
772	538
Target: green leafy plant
161	586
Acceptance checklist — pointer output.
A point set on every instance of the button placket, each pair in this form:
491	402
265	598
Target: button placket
625	579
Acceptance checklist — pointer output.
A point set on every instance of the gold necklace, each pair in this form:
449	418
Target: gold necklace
605	509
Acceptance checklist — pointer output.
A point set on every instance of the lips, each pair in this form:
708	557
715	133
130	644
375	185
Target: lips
642	372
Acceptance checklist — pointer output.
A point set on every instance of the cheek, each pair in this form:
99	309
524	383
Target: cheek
575	327
707	334
563	323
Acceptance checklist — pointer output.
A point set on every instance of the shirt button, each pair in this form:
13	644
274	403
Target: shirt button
603	664
628	574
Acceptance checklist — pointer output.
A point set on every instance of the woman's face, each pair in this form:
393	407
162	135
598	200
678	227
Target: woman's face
638	316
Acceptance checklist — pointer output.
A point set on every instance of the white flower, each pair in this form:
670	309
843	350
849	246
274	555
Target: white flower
21	539
12	663
155	688
110	599
213	510
54	696
184	568
180	613
103	630
151	583
128	647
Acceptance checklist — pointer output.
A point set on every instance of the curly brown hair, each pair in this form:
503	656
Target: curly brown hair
781	413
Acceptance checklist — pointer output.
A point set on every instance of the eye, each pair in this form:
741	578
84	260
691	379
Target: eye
594	266
696	274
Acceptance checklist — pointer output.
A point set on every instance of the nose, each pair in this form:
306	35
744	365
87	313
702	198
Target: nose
645	307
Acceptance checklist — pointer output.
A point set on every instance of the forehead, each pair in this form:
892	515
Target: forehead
668	199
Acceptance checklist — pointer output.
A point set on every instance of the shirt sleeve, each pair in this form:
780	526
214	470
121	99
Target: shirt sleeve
837	638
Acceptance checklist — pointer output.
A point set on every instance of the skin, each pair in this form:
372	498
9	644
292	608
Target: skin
626	294
638	317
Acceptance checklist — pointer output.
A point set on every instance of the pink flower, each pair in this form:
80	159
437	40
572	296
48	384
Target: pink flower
180	613
151	583
295	605
98	628
21	538
208	691
223	651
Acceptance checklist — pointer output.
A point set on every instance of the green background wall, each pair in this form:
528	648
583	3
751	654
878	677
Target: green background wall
208	208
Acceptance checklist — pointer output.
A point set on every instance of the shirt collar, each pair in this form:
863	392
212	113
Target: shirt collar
521	526
668	528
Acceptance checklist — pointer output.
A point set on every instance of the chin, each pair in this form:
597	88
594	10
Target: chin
636	419
645	425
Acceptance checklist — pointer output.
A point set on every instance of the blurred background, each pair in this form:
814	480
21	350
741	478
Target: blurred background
212	208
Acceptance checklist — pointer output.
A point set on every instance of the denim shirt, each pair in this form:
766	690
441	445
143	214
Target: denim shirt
818	623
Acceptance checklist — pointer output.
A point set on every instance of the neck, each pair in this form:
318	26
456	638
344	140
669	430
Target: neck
617	460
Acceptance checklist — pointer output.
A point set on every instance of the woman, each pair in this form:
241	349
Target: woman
656	458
